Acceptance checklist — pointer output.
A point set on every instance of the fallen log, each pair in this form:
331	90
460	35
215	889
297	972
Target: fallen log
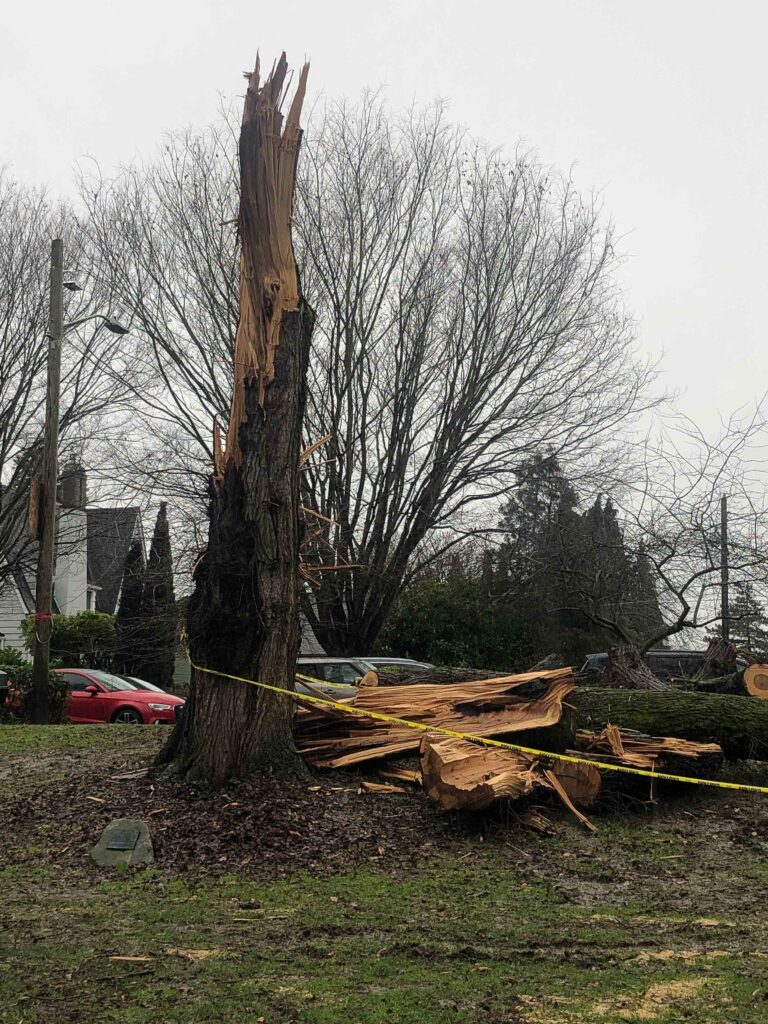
527	706
751	682
739	726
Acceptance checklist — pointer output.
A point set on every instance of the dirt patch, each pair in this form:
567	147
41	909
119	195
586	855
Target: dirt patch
661	997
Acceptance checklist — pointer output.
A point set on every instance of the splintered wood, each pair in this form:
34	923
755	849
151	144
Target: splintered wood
269	284
464	776
486	707
460	775
662	753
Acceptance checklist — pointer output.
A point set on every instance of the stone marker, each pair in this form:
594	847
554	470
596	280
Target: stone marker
124	841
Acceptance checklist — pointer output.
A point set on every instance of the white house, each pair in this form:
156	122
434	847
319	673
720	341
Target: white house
91	545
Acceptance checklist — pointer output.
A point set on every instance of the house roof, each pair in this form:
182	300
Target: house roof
25	591
21	558
110	534
310	646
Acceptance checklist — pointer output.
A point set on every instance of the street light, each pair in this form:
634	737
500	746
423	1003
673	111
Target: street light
111	325
41	660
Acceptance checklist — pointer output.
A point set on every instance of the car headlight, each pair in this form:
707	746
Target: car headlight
160	707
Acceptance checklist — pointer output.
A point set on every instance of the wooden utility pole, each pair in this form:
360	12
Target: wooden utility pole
725	611
48	482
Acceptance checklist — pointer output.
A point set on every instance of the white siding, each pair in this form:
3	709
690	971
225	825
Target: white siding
12	614
70	587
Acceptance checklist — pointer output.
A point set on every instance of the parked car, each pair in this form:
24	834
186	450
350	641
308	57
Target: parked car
141	683
343	673
96	696
666	664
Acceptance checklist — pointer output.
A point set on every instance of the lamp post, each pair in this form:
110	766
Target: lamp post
41	660
725	611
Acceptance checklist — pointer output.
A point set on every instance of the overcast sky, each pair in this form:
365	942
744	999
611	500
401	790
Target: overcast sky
659	105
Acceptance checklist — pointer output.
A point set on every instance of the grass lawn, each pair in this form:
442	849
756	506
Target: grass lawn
659	917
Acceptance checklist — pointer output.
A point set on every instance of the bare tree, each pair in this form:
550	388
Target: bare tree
94	370
467	314
672	513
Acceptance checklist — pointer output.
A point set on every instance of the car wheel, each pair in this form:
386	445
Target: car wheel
127	716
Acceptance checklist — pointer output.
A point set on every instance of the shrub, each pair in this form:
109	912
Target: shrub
20	680
85	640
10	656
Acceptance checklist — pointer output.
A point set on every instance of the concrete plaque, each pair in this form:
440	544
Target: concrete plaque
124	839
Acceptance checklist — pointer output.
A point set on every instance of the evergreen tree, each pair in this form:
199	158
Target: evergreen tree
129	650
748	622
158	607
447	617
604	571
643	612
538	559
572	577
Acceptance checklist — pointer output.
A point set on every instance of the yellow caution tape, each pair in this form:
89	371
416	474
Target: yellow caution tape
485	741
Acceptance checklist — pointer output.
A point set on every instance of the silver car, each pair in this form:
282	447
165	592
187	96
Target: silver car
336	677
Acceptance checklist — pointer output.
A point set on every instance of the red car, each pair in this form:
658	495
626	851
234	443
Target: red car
97	696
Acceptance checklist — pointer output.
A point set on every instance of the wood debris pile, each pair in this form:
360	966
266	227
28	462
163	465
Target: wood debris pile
460	775
532	709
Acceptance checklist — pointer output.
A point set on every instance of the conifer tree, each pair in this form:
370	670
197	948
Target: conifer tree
129	650
748	622
642	606
158	607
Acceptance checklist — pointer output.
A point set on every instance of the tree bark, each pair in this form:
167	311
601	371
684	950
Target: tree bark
243	614
739	726
627	670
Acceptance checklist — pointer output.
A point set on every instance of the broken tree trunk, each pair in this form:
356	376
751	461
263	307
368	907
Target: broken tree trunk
464	776
739	726
751	682
528	707
459	775
719	660
627	670
243	617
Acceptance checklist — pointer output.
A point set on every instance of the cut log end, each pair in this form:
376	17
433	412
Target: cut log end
756	681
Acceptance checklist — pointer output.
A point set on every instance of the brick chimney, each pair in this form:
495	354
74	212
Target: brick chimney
72	491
